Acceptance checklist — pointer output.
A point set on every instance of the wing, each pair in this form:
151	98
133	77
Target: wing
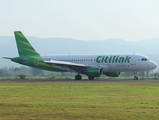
67	65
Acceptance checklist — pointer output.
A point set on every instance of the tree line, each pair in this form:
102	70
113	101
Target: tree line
29	71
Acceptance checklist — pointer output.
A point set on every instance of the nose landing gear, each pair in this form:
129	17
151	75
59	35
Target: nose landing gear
135	76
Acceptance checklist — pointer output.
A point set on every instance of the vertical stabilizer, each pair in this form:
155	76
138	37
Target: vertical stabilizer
24	47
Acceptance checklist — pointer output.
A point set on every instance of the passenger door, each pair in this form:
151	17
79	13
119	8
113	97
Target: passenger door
133	60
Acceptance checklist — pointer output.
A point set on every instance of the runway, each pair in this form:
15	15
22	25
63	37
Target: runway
104	81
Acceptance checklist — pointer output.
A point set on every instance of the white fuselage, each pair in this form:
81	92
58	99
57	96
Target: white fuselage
109	62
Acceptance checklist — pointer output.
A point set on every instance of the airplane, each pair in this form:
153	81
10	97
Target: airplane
91	65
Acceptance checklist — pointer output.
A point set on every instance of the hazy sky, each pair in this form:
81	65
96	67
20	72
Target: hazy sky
81	19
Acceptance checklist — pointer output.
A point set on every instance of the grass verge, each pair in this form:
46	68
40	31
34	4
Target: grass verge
75	100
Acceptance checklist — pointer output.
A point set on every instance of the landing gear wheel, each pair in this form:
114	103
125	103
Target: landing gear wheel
78	77
135	75
91	77
135	78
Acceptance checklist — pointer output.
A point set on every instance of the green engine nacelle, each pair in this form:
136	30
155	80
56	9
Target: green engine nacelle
93	71
113	74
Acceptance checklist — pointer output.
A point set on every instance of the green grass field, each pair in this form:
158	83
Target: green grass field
79	100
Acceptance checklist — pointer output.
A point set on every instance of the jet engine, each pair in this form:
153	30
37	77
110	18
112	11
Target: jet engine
112	74
93	71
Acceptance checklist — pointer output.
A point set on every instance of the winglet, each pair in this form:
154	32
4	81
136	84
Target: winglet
23	45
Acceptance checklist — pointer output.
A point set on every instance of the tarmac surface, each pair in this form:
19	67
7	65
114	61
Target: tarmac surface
104	81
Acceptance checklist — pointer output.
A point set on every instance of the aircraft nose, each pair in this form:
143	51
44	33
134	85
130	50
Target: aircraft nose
154	65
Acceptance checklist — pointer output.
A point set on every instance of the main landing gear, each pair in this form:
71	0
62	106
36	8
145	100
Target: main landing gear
91	77
135	76
78	77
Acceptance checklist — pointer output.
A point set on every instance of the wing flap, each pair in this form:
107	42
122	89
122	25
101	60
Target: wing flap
63	63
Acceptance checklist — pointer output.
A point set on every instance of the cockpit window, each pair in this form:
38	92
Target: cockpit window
144	59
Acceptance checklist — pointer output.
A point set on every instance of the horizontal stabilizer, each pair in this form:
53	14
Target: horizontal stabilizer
17	59
7	58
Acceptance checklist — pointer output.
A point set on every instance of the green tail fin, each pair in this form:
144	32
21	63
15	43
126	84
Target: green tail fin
24	47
